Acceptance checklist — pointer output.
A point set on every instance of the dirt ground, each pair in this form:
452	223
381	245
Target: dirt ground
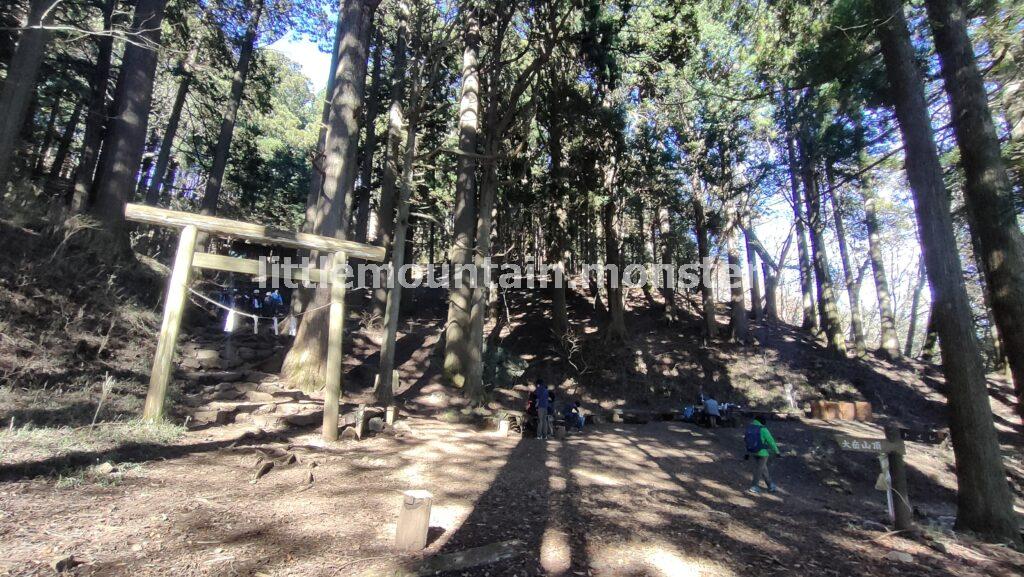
662	498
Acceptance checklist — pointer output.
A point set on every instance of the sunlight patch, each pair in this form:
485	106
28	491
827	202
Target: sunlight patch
554	551
654	559
597	478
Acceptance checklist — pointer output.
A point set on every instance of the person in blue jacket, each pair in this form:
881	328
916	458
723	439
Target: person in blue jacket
543	405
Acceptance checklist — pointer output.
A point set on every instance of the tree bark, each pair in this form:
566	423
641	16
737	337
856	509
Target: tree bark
385	386
126	137
460	294
559	215
167	143
316	180
49	132
988	193
95	116
393	152
64	144
890	343
305	362
849	273
828	313
668	240
707	298
215	179
931	340
20	83
984	500
737	306
756	309
616	328
810	319
362	201
915	305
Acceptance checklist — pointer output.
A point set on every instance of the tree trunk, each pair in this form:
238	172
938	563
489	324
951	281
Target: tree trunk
995	341
66	140
616	329
126	138
984	500
849	273
215	179
931	339
828	313
49	132
20	83
316	180
988	193
737	307
95	116
393	154
707	298
915	304
167	143
306	360
559	219
668	240
890	343
756	310
810	319
362	201
460	294
474	389
385	386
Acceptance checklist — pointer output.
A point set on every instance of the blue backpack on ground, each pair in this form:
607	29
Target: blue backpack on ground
752	438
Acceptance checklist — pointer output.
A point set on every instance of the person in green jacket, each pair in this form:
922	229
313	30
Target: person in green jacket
760	445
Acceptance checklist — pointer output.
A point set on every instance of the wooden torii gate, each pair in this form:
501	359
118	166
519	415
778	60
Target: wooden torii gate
187	258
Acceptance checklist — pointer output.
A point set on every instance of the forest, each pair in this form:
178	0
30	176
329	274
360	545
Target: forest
846	177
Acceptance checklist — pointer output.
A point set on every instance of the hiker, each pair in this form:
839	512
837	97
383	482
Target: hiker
572	416
255	303
531	410
711	411
543	404
761	445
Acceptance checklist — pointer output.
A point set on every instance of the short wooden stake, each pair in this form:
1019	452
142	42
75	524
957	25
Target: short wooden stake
503	427
174	306
413	521
898	471
335	337
360	421
390	414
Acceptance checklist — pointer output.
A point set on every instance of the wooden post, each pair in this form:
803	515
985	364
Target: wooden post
360	421
413	521
390	414
898	472
335	337
174	306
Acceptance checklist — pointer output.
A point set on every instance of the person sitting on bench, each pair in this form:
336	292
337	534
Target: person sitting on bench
572	415
711	411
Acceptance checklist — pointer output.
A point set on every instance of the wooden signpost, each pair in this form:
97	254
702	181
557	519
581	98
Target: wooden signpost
893	449
186	259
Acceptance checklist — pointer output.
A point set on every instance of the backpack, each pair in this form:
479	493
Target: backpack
752	438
